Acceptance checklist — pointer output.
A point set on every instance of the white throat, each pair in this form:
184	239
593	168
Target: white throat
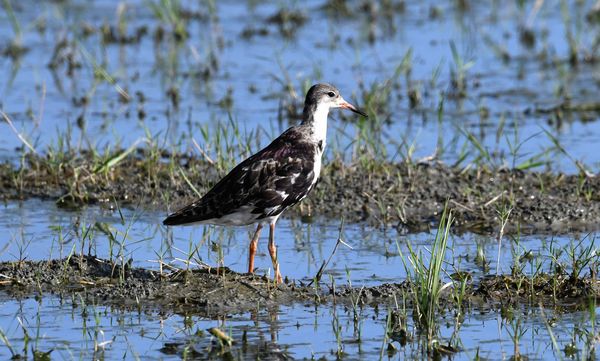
320	123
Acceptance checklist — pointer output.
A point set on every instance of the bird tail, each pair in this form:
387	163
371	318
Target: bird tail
193	213
172	220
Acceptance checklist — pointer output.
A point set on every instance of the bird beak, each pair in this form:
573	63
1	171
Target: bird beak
345	105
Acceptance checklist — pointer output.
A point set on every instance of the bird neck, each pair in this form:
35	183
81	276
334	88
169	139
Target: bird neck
315	118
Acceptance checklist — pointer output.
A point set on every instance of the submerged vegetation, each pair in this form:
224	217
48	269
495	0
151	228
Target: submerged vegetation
437	294
405	196
482	130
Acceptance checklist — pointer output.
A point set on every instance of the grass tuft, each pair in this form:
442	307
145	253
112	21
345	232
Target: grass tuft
426	279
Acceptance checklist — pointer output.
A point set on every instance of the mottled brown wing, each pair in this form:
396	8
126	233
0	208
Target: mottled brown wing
263	185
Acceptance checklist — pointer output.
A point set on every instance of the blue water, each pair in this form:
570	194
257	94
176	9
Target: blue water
327	48
298	331
37	230
256	72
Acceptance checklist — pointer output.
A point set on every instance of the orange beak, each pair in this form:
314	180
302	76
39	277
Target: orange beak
345	105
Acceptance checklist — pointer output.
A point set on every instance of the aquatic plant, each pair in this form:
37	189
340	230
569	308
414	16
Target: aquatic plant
426	279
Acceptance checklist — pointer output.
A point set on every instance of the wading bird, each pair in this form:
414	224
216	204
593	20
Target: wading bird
282	174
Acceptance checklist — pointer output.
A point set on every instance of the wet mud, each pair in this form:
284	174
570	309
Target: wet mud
404	195
563	291
208	291
220	291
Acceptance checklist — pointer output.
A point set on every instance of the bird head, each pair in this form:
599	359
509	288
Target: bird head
326	95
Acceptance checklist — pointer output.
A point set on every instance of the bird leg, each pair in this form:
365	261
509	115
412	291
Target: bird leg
252	248
273	253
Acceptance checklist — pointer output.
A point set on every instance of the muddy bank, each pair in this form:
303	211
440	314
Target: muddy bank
404	195
208	290
214	291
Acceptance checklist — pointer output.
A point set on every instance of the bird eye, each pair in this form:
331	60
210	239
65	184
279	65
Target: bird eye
331	94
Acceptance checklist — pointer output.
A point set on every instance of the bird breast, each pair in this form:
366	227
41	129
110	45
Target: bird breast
318	161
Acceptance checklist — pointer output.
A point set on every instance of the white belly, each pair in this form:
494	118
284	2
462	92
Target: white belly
240	217
318	163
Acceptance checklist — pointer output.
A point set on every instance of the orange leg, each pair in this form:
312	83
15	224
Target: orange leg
252	248
273	252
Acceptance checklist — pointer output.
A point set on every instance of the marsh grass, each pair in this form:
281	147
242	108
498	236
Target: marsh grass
476	151
224	144
14	21
317	278
7	344
426	280
557	144
459	72
120	243
22	245
19	135
516	331
170	13
337	330
15	49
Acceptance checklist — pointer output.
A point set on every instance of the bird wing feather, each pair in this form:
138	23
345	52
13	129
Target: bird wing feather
271	180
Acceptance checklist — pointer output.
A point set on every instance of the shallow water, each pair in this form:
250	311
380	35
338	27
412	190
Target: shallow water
84	331
340	49
220	74
38	230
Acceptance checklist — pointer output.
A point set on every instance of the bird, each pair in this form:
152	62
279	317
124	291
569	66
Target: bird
277	177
